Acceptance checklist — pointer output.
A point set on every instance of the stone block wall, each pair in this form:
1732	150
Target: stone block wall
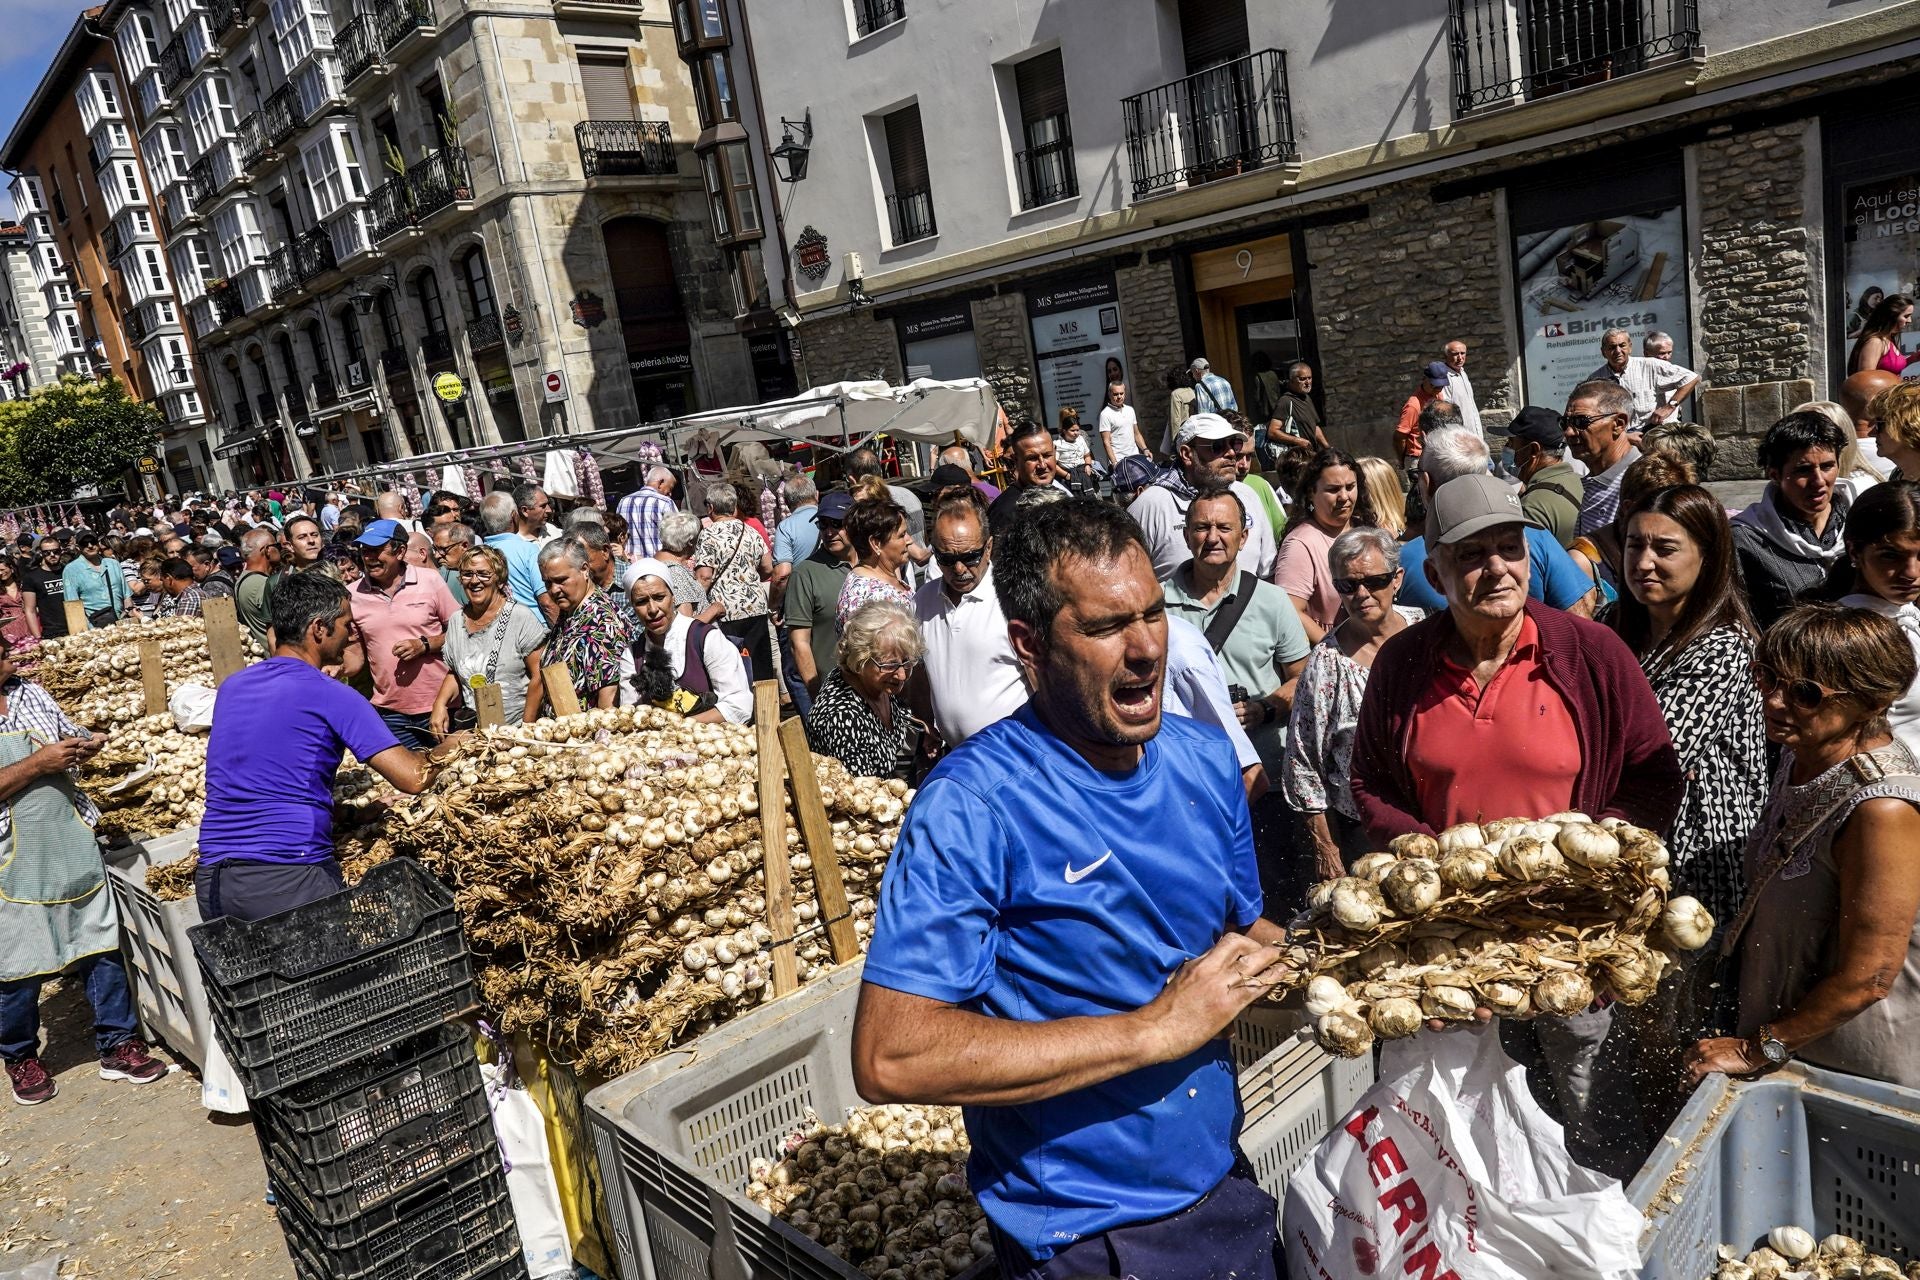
848	346
1005	341
1389	292
1150	320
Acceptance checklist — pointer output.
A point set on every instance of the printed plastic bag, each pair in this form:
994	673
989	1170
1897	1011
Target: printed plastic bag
1447	1167
530	1182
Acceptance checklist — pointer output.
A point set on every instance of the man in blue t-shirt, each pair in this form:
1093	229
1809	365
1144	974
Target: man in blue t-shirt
1069	924
279	727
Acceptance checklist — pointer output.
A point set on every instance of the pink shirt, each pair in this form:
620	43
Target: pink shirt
1302	571
419	607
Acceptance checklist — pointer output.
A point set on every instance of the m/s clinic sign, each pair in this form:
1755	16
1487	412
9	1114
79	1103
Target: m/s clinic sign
1076	330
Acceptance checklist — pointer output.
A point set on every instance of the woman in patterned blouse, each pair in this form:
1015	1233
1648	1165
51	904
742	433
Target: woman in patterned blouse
877	532
859	717
592	632
737	562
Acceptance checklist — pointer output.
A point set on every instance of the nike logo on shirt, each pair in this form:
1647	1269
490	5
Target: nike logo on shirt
1075	877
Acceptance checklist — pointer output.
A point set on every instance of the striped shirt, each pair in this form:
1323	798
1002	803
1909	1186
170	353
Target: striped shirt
643	510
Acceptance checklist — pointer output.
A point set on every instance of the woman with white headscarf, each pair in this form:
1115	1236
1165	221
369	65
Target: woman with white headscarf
678	663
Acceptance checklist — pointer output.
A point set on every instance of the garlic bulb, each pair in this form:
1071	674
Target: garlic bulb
1588	845
1841	1246
1525	858
1414	844
1564	993
1686	924
1506	999
1374	866
1395	1017
1356	903
1766	1264
1791	1243
1466	835
1466	869
1456	1004
1733	1271
1343	1033
1412	885
1324	995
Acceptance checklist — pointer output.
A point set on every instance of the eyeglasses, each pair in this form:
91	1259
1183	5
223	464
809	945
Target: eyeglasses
469	575
948	559
1581	421
1352	586
1801	694
895	668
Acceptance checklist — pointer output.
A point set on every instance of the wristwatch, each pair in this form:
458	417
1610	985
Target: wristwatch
1772	1048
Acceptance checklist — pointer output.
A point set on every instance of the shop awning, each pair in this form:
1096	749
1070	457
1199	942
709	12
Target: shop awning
850	412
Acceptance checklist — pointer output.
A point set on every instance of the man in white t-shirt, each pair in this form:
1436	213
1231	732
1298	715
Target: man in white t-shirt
1118	425
971	677
1460	387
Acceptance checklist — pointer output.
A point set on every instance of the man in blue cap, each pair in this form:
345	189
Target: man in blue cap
401	613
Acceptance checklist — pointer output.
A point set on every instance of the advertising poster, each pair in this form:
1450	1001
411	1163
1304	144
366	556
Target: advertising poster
1577	282
1882	249
1076	330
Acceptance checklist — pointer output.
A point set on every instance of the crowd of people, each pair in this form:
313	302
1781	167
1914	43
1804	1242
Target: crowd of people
1506	620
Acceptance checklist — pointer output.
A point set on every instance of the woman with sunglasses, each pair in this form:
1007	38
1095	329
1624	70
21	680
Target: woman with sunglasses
1883	544
495	640
1330	500
1828	938
1365	564
859	716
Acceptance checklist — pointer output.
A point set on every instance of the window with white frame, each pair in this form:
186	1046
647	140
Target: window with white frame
163	312
203	119
75	341
332	166
190	405
237	227
176	149
142	222
223	103
109	100
130	181
177	369
156	270
62	294
315	83
301	26
149	39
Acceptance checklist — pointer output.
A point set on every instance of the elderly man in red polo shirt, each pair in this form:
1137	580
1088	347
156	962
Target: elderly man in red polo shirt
1504	707
400	612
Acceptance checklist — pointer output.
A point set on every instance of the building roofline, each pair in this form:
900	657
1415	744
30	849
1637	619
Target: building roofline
81	38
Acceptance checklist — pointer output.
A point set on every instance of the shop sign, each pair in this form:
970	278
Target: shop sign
1578	281
811	258
659	364
588	310
149	465
1882	247
513	324
306	430
1076	330
554	384
449	388
499	385
937	322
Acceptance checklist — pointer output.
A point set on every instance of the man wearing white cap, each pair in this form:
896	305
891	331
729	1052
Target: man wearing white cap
1207	445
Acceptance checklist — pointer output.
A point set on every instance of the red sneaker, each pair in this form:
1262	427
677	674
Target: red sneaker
31	1083
130	1061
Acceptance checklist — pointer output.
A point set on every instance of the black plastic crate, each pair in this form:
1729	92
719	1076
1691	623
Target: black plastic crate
300	994
455	1227
357	1138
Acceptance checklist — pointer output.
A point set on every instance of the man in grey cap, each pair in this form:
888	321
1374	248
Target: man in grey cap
1207	444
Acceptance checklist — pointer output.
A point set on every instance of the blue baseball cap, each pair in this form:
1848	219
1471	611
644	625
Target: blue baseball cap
834	505
378	534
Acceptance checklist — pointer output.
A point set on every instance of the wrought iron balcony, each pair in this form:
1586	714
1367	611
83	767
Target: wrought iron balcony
625	148
174	62
135	327
437	348
484	334
392	210
358	45
398	19
393	363
1212	124
1047	172
911	215
110	238
437	180
281	278
269	407
312	254
280	115
228	306
1503	52
871	15
251	140
324	391
223	15
200	181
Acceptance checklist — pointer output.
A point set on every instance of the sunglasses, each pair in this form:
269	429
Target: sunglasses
1801	694
1218	447
1581	421
971	559
1352	586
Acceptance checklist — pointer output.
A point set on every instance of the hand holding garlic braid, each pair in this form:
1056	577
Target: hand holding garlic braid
1520	918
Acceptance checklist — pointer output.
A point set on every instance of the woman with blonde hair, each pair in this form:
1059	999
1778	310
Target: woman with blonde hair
860	715
1382	482
495	640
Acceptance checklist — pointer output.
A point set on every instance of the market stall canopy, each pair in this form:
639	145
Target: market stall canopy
924	409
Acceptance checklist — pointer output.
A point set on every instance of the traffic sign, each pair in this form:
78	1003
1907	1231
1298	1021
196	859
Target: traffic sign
555	383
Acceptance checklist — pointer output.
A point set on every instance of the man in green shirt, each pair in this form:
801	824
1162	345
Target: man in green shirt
813	594
1554	489
253	594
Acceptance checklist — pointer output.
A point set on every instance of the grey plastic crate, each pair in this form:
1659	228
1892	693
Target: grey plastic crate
1292	1097
1806	1147
675	1139
167	987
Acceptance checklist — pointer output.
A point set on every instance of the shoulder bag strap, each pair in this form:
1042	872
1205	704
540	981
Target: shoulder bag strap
1224	621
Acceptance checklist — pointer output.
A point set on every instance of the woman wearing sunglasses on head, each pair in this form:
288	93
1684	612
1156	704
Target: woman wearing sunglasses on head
859	716
1883	574
1826	939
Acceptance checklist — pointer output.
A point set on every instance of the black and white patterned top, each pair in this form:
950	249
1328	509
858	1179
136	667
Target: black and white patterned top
843	726
1713	711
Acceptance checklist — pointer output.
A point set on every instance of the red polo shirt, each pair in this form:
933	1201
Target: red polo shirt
1507	751
418	607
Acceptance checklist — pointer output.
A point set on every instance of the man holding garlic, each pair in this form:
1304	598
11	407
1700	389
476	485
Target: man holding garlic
1068	926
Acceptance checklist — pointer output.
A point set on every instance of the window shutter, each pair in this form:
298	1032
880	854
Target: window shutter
604	80
1042	84
907	150
1213	32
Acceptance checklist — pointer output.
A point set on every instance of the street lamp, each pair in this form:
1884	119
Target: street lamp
362	298
790	157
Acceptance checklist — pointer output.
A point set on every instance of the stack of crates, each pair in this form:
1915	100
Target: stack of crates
342	1019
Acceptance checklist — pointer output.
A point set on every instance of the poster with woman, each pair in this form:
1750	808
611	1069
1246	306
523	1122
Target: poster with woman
1882	252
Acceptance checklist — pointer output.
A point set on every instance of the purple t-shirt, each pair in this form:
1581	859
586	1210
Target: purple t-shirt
278	730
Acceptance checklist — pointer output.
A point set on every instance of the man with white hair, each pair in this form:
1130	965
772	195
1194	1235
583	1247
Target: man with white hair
1657	345
1211	392
644	508
1656	385
1452	452
1206	445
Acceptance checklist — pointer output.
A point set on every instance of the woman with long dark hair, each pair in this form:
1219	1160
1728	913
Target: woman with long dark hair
1878	346
1882	573
1329	500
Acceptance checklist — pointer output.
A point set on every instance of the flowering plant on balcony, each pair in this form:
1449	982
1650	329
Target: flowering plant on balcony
15	370
219	284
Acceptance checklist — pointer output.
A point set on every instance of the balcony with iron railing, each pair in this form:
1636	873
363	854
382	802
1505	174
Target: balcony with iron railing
268	406
281	277
325	392
1213	124
395	20
393	363
174	63
910	216
251	139
389	208
625	148
110	240
358	46
134	326
200	183
870	16
228	305
1047	172
280	116
430	184
312	254
1508	51
485	334
224	16
437	348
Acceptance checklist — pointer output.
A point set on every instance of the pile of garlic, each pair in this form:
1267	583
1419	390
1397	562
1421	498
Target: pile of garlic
1522	917
150	779
886	1190
1790	1253
609	872
95	675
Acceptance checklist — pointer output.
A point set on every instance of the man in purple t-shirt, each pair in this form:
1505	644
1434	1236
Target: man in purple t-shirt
279	727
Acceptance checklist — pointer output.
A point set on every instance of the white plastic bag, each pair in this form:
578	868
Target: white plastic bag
1447	1167
530	1181
192	708
220	1086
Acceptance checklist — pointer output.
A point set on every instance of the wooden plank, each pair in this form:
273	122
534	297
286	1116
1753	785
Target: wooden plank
489	706
225	647
77	618
561	698
817	830
773	834
1651	284
153	675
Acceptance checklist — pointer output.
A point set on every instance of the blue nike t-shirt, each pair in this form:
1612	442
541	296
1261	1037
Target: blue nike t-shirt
1026	884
